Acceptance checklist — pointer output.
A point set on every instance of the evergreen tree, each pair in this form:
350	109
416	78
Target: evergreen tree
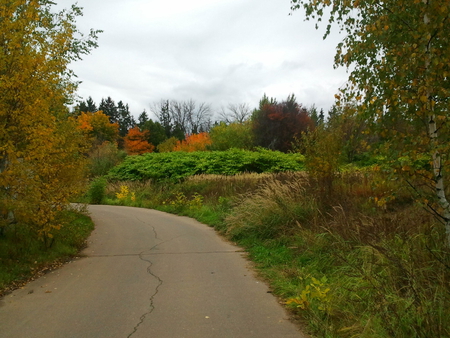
321	117
156	133
125	120
108	107
142	119
87	106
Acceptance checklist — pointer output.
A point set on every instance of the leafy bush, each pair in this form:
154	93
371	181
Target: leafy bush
96	191
179	165
234	135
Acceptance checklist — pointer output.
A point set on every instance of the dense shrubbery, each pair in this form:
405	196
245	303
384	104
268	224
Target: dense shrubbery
179	165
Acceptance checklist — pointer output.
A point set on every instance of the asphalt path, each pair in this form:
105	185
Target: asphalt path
148	274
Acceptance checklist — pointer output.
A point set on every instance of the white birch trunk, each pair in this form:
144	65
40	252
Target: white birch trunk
433	134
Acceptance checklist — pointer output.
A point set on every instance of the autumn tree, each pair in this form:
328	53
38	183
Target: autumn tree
398	55
194	142
168	145
41	150
136	142
117	113
277	125
97	128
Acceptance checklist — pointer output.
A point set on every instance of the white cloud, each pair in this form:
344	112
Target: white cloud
220	52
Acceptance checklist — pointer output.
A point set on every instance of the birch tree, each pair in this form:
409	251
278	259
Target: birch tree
398	56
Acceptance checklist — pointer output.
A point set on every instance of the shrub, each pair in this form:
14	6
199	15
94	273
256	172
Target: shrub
96	191
104	157
176	166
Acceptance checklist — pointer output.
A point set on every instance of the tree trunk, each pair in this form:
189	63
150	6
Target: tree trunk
433	134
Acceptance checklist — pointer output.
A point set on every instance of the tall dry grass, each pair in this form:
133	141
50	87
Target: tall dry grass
386	264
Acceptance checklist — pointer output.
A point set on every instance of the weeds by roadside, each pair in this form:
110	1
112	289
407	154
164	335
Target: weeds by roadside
345	263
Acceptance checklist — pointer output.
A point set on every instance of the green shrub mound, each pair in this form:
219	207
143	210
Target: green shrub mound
176	166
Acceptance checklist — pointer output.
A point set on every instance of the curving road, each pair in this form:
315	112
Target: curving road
147	274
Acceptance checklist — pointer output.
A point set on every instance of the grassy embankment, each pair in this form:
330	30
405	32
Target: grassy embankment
346	261
23	256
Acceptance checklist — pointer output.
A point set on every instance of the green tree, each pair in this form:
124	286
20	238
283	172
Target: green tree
234	135
41	162
86	106
399	55
143	117
156	133
109	108
168	145
125	119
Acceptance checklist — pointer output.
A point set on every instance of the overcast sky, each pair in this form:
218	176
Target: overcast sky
216	51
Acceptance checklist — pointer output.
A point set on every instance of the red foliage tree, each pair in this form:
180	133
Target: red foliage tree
277	125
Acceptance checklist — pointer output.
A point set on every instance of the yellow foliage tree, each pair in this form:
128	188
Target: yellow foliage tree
41	162
168	145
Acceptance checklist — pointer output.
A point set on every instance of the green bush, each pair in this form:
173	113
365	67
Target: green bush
176	166
96	191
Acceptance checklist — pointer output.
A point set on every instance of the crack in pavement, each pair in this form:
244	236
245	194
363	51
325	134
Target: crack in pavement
149	271
167	253
160	282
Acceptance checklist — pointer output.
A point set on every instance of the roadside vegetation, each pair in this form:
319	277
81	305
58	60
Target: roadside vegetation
347	257
24	256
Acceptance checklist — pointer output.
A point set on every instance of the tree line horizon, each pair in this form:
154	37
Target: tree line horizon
274	125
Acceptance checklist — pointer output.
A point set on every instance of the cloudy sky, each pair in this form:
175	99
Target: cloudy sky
216	51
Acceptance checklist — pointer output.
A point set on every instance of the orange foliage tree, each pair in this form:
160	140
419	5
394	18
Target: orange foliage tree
97	128
136	142
194	142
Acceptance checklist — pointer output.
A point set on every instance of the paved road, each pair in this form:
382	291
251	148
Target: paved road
147	274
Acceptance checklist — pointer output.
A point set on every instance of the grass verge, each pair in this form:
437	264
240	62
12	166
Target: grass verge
24	257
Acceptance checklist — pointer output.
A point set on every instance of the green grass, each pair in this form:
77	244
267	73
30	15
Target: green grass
22	255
